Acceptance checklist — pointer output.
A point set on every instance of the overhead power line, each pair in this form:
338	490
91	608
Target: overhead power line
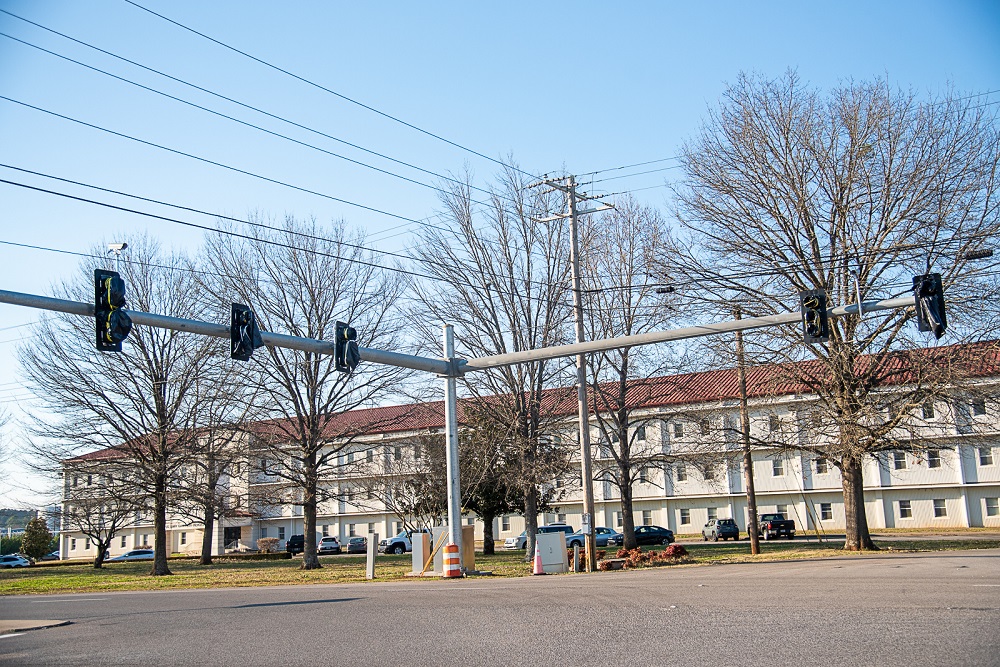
325	89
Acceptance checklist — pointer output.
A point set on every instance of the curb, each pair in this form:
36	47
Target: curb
8	627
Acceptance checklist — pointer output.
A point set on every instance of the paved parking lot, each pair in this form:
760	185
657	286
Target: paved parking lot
906	609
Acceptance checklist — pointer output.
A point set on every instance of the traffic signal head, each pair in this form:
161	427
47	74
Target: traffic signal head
928	297
244	335
112	323
815	320
345	347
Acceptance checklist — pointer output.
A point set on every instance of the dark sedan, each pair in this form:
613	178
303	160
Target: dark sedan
357	545
653	535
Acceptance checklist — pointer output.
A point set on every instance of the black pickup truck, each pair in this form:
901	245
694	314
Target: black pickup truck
775	525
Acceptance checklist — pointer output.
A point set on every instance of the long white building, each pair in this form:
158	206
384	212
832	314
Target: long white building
692	420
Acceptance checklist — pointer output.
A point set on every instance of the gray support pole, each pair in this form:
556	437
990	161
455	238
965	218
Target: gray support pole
583	409
437	366
451	445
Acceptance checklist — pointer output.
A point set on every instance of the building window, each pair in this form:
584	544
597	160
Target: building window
993	507
418	451
934	458
350	530
815	419
773	423
685	517
397	527
940	510
709	474
899	460
263	531
505	523
706	426
560	518
619	521
76	480
397	454
281	532
72	544
350	457
822	465
145	540
682	474
825	511
678	430
643	476
371	527
985	456
777	467
713	513
184	539
905	511
124	538
369	456
927	410
782	509
326	530
647	517
86	544
640	433
978	406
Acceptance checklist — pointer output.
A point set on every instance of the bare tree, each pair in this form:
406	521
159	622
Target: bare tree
500	274
300	279
853	192
99	498
141	402
624	297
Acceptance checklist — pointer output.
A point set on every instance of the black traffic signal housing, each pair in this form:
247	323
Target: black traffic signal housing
928	297
345	347
815	320
244	335
112	323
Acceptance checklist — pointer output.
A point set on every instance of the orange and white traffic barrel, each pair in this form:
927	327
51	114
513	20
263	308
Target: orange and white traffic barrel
452	562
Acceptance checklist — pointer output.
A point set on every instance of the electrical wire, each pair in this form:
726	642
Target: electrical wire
327	90
222	97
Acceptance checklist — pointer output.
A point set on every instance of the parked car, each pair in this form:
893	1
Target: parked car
15	560
653	535
296	544
724	528
357	545
52	555
328	545
400	544
602	536
135	554
521	541
775	525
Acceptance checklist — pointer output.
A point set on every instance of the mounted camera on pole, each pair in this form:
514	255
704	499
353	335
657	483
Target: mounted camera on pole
112	323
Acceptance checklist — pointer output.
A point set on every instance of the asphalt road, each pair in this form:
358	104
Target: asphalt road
905	609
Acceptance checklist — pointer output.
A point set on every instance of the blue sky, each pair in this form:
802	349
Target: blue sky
579	87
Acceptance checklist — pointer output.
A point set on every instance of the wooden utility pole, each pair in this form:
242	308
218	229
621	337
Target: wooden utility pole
741	375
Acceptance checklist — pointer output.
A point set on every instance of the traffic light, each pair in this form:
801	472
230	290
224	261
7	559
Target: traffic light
815	321
112	323
346	353
244	336
928	296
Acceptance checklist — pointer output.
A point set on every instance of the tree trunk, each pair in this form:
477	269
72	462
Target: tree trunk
488	540
160	566
628	521
530	522
208	536
310	560
858	538
102	548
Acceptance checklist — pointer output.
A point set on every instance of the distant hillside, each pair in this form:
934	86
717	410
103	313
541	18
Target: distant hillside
16	519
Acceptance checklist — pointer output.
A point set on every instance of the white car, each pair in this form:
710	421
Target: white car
14	560
135	554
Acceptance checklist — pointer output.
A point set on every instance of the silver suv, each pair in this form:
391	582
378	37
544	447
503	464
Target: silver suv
521	541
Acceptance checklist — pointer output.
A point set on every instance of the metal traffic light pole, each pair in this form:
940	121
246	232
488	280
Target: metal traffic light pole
451	368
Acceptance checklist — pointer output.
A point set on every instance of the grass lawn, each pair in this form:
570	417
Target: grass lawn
134	576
